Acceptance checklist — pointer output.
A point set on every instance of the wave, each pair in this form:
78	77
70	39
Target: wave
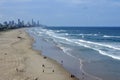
104	45
100	51
104	49
106	36
59	31
66	50
84	34
89	34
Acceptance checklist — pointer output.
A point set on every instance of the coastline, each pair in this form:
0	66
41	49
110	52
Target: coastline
82	57
70	63
20	62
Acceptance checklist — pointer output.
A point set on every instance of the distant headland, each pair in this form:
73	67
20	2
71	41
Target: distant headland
19	24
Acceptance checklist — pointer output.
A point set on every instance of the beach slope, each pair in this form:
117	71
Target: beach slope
18	61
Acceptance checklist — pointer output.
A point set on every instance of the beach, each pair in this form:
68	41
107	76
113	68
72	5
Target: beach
18	61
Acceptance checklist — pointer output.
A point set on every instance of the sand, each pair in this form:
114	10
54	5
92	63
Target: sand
18	61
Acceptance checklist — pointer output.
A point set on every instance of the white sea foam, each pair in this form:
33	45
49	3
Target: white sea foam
100	47
103	45
104	49
66	51
106	36
60	31
54	35
95	46
66	34
85	34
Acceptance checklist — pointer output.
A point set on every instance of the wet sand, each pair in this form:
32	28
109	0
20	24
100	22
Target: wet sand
18	61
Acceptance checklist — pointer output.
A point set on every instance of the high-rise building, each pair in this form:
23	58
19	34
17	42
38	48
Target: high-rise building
5	23
32	22
13	22
22	23
38	24
18	21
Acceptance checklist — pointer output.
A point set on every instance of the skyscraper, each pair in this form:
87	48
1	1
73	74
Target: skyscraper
32	22
38	24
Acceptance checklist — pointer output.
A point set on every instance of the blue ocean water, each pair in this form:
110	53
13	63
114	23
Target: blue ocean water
94	51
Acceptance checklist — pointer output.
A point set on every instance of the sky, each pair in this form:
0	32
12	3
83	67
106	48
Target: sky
63	12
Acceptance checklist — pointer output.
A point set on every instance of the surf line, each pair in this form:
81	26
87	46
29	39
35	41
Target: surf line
85	73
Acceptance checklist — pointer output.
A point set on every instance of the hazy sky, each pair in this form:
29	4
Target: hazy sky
63	12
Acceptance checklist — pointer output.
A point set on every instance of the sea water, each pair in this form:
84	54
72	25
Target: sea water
89	53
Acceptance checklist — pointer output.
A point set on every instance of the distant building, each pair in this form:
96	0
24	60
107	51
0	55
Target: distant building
38	24
20	23
5	23
13	22
33	22
28	24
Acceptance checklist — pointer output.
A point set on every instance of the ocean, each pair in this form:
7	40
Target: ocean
89	53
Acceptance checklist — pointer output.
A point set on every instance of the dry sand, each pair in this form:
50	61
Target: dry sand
18	61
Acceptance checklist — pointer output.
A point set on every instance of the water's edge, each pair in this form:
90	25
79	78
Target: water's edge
81	74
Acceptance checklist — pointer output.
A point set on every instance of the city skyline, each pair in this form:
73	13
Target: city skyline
19	24
20	21
63	12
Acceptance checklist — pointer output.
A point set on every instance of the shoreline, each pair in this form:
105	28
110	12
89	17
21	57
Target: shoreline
54	43
87	74
52	60
20	61
82	75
